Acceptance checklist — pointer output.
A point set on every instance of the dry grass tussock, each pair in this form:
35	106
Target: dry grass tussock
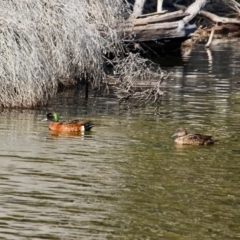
45	41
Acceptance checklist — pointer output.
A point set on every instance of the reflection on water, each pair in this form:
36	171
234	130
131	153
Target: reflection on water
126	179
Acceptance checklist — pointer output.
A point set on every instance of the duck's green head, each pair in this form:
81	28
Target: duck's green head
52	117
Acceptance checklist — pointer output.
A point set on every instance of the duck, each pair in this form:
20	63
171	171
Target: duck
68	125
181	136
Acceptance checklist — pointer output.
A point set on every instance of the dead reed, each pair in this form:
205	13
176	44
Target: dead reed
45	41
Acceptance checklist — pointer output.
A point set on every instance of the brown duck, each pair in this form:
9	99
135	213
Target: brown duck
182	137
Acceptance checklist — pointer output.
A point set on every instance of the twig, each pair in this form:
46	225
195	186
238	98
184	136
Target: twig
210	38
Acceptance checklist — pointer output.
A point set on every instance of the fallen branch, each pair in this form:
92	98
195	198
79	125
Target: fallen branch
170	17
211	16
210	38
216	19
194	9
151	14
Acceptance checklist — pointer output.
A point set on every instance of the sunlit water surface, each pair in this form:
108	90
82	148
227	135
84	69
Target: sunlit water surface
126	179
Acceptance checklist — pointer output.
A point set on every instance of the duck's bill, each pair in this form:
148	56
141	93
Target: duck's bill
174	135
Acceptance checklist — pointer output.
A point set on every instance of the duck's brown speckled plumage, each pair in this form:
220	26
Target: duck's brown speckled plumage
182	137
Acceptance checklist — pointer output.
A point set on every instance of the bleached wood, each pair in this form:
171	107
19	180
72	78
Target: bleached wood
169	17
159	5
194	9
152	14
217	19
138	7
153	32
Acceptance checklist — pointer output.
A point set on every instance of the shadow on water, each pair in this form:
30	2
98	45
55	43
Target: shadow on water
126	179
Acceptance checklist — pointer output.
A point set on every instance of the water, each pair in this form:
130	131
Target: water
126	179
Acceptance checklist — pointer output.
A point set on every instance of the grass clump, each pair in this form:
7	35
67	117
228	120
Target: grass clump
43	42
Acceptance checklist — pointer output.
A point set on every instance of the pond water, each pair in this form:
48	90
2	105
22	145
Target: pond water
126	179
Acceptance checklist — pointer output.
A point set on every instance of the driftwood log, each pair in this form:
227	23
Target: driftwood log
157	26
194	9
161	25
159	17
211	16
175	25
217	26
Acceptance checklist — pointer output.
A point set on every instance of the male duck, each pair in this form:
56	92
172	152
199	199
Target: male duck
67	126
182	137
